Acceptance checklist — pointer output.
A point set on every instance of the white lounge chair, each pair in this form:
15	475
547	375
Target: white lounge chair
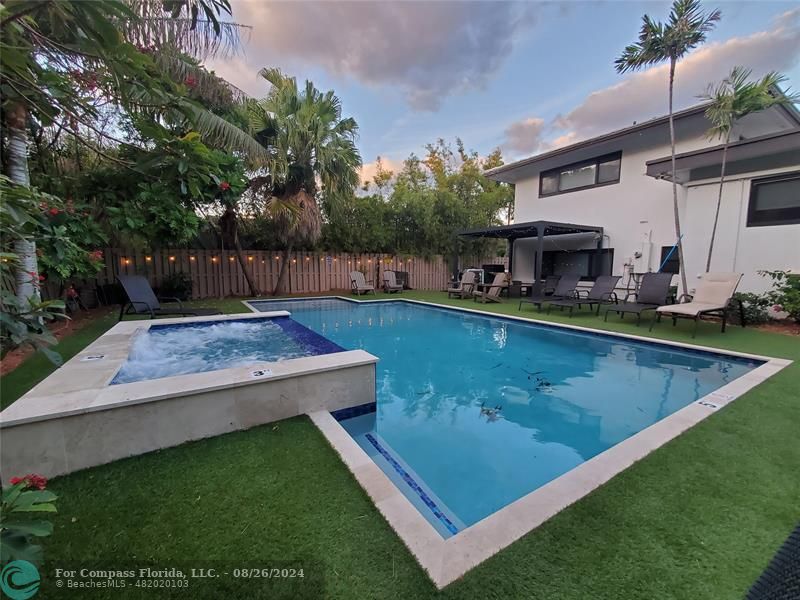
711	297
390	284
491	293
464	288
359	284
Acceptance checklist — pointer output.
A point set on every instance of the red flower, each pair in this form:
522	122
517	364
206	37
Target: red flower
31	481
42	277
190	81
224	186
54	211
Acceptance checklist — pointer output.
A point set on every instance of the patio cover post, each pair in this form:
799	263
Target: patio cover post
537	276
511	241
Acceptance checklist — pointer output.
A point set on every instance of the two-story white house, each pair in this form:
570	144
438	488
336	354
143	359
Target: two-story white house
616	188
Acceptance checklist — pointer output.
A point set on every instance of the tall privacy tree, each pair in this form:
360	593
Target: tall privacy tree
685	29
311	151
733	98
58	57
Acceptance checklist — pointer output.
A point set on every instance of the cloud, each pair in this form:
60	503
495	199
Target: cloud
643	95
430	50
368	170
524	136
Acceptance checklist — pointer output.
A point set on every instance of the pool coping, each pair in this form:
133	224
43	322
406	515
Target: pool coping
446	560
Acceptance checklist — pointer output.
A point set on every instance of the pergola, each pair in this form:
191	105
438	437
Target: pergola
533	229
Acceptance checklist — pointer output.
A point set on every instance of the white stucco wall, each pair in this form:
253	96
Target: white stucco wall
737	247
637	215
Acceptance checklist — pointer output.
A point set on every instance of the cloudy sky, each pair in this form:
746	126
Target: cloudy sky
524	76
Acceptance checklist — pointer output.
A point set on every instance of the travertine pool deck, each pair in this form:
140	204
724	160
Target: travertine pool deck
74	419
445	560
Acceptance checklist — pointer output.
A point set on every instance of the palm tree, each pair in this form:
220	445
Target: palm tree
312	150
685	29
44	42
733	98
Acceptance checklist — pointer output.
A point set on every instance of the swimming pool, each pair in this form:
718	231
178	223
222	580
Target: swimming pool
184	348
474	412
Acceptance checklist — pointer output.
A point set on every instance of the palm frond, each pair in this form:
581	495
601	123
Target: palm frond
224	134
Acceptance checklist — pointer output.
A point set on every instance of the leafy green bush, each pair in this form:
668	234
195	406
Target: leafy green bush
785	293
23	504
755	308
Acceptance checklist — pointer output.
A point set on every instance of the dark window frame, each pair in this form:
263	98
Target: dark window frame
595	261
780	216
673	265
577	165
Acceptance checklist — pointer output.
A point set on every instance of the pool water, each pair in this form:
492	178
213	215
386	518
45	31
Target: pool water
474	412
184	348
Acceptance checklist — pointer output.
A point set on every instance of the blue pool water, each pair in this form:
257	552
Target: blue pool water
474	412
180	349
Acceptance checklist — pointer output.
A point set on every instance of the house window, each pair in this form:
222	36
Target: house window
774	200
603	170
673	264
589	264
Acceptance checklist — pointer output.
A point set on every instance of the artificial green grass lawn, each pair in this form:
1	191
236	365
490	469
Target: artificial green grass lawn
698	518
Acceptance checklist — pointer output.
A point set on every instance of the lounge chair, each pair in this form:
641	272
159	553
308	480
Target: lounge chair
142	301
465	287
359	284
491	293
602	292
653	292
390	283
711	297
565	288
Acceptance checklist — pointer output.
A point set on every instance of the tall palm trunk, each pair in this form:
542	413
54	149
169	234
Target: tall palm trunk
675	207
719	200
281	287
27	272
230	235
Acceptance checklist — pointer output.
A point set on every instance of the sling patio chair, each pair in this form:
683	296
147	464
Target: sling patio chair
465	287
653	292
390	284
712	295
359	283
565	288
143	301
602	292
491	292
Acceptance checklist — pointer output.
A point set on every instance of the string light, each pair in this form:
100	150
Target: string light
126	261
250	258
308	258
213	259
172	259
294	260
148	258
191	258
277	258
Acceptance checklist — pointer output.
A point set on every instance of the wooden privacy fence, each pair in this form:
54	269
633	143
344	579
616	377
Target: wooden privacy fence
217	273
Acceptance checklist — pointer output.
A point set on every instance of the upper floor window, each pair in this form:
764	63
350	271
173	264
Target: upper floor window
603	170
774	200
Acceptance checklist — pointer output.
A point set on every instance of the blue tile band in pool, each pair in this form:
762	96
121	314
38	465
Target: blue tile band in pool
354	411
413	485
311	340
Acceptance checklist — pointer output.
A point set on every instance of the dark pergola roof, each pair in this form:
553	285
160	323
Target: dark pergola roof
529	230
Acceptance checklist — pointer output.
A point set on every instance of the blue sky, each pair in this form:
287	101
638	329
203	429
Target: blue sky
521	76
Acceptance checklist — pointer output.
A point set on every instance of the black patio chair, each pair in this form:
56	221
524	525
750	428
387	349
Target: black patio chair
602	292
142	301
564	288
653	292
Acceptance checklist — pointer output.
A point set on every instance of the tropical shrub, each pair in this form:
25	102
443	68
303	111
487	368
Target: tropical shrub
785	293
177	285
20	518
755	308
